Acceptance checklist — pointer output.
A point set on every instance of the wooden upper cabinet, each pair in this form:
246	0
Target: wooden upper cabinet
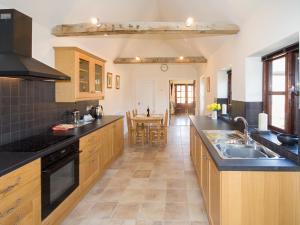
86	72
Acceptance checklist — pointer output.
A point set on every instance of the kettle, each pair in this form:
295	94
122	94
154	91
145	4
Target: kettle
98	112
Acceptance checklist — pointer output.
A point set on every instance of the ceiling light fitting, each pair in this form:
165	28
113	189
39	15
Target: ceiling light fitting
189	21
96	21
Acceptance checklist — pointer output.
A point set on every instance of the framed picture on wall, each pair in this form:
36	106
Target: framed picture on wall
109	79
117	81
208	84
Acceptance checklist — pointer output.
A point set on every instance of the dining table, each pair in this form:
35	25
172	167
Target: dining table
144	119
147	121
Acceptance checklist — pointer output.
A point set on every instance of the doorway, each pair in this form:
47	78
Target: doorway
182	101
145	96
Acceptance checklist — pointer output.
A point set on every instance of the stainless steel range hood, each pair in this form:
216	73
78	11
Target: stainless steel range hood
16	49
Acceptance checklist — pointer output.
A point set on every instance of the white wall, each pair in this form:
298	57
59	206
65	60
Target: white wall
161	81
271	23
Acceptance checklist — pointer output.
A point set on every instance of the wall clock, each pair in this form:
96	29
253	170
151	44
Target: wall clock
164	67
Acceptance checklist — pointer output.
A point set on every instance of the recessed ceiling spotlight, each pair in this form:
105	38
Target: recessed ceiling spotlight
137	58
189	21
181	57
96	21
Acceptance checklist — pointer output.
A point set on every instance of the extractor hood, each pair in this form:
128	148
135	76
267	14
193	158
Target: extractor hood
16	49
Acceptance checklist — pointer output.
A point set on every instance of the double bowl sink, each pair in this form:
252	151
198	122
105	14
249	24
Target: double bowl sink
231	145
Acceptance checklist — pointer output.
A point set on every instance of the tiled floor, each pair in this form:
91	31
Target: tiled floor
180	120
146	186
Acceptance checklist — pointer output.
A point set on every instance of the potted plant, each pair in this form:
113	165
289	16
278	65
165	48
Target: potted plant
214	108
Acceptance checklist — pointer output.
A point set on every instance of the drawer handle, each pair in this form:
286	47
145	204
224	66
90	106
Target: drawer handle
11	210
10	187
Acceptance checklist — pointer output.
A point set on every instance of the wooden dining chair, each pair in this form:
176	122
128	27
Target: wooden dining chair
135	133
159	132
134	112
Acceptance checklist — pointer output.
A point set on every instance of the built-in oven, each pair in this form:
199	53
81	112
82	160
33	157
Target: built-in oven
60	176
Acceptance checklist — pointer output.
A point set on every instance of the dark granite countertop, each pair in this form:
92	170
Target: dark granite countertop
10	161
205	123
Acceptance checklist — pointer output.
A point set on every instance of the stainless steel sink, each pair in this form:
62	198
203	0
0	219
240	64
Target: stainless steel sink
230	145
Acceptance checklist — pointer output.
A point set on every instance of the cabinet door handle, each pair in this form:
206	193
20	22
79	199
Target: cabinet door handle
10	187
12	209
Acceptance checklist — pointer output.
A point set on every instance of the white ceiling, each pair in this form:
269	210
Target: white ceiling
52	12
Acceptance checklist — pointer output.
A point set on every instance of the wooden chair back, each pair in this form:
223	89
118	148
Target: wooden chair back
134	112
166	119
129	124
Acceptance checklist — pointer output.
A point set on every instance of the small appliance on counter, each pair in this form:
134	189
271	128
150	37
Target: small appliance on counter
97	112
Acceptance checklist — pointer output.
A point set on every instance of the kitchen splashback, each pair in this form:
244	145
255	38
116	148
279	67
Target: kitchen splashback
29	108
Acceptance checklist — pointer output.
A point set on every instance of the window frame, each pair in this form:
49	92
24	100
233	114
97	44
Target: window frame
186	94
290	54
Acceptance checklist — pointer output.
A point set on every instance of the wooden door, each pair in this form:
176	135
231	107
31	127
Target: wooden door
185	98
145	96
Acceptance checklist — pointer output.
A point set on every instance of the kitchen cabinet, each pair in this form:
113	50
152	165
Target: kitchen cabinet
20	195
118	133
86	72
245	197
97	151
214	193
205	176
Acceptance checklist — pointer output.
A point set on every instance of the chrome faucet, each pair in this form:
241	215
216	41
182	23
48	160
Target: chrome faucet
247	138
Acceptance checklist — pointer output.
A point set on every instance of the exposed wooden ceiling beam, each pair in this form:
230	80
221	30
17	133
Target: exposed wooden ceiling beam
190	59
88	29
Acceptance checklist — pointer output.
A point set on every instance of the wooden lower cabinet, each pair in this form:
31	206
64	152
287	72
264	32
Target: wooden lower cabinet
245	197
97	151
214	195
20	195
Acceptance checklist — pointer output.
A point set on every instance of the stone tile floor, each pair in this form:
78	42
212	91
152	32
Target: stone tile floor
146	186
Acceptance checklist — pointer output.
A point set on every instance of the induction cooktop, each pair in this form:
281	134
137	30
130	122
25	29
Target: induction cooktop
34	143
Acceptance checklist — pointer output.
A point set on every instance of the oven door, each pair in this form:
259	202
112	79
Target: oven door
58	181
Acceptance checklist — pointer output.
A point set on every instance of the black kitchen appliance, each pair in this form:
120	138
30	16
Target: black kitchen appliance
60	176
16	49
34	143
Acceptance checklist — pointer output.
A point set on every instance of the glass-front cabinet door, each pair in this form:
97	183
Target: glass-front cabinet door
84	76
90	77
98	78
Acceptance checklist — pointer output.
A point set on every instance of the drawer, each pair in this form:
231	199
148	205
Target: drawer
18	203
15	180
21	215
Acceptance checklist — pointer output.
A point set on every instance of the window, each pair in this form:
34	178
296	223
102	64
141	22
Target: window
184	94
280	74
180	94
